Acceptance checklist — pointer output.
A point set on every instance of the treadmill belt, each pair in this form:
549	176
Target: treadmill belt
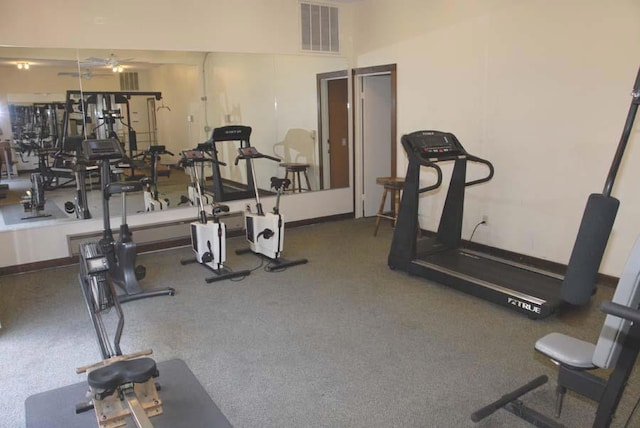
495	272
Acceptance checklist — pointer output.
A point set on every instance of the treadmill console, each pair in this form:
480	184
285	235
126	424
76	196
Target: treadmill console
433	144
249	152
102	149
193	155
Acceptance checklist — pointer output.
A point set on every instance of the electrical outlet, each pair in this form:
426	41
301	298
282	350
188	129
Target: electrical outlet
485	219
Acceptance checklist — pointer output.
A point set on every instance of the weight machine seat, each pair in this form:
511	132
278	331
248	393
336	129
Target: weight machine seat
112	376
123	187
567	350
575	356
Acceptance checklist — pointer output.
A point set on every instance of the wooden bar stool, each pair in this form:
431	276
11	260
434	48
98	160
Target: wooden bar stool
393	185
296	169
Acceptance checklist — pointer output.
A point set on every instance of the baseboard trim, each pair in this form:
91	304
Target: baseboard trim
154	246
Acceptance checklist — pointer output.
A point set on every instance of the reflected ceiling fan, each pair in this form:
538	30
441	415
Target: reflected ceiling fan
112	62
85	74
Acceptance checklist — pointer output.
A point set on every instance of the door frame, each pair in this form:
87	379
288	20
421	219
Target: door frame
358	169
321	84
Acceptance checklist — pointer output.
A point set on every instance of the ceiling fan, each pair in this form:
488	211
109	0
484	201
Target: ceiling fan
85	74
112	61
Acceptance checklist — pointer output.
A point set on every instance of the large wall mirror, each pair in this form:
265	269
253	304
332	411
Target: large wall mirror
154	98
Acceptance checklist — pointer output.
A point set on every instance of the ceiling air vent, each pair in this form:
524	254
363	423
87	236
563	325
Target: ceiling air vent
129	81
319	28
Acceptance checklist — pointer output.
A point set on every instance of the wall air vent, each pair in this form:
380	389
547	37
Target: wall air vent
319	28
129	81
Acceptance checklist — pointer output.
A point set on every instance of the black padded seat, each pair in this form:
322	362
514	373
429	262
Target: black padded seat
123	187
112	376
567	350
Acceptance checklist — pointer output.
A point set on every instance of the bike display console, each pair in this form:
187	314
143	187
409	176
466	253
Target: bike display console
102	149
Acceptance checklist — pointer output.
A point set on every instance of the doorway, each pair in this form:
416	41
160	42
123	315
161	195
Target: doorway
375	135
333	128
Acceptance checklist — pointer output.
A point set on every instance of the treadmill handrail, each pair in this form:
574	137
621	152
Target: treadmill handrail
482	161
438	182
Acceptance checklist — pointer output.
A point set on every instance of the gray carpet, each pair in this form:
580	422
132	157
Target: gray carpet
15	214
339	342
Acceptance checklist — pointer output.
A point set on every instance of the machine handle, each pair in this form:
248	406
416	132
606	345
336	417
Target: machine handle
438	171
273	158
620	311
482	161
507	398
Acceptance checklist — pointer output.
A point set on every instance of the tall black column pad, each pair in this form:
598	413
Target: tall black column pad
581	276
450	228
403	244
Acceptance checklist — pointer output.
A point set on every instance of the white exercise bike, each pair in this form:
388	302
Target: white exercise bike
265	231
208	238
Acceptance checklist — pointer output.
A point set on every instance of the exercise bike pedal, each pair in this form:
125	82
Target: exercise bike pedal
140	272
84	407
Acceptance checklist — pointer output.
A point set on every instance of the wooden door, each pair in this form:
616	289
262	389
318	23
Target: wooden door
337	94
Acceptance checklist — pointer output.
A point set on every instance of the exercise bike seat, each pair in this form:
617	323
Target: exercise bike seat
123	187
280	183
218	209
110	377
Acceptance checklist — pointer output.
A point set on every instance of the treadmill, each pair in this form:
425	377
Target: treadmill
223	189
525	289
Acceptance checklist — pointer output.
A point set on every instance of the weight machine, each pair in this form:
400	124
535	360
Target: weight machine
617	347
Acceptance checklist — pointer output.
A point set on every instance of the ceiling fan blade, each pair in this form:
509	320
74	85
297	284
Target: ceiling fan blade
94	60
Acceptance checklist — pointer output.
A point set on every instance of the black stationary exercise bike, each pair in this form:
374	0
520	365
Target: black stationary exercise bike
121	254
152	200
120	386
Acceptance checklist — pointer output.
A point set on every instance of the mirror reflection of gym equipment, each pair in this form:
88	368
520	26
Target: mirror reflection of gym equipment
161	126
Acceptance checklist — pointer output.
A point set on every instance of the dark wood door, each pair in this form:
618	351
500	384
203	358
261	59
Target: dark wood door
337	94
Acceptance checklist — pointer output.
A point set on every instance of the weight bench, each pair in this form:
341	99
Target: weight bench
617	348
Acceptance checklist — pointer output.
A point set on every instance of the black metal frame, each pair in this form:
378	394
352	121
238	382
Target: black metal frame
607	392
234	133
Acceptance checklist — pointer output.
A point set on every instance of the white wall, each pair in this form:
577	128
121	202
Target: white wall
540	88
267	26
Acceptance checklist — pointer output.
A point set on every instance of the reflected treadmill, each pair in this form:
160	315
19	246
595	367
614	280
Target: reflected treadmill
234	137
441	258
